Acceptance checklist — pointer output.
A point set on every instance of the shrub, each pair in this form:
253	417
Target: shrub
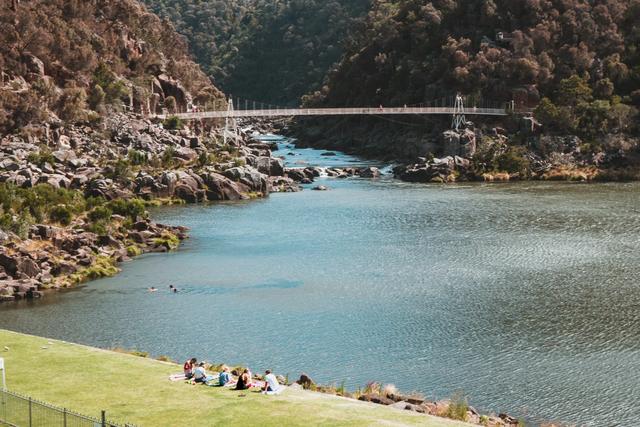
132	208
513	161
100	213
168	240
99	227
61	214
133	251
73	104
137	157
96	97
114	89
170	104
168	157
203	159
42	157
103	266
173	123
92	202
458	408
121	171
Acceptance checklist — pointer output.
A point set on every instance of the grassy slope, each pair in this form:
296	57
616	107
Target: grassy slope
137	390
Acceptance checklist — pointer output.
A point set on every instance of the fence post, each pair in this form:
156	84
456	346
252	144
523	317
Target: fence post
64	417
104	418
30	421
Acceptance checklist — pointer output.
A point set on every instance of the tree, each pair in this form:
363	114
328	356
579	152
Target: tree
96	97
73	104
573	91
553	117
171	104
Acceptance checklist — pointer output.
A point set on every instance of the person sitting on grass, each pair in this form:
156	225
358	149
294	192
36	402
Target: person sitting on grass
200	374
188	367
271	384
224	378
244	380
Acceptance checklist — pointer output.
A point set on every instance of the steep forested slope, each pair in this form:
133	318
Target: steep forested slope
412	51
271	51
575	62
71	59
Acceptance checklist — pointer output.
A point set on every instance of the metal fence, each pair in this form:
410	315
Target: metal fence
22	411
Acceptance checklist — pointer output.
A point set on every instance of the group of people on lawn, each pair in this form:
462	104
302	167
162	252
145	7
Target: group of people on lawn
197	373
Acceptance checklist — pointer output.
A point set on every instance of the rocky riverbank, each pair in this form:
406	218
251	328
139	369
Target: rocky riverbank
98	179
483	153
74	197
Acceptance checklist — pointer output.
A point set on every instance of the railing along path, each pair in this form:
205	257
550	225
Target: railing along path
352	111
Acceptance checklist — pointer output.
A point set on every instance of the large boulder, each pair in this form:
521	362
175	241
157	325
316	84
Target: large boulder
282	184
169	180
451	143
55	180
270	166
296	174
250	177
185	153
34	64
9	165
219	187
376	398
369	172
189	194
27	267
9	263
107	189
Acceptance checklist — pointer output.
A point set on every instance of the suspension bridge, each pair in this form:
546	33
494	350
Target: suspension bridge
453	106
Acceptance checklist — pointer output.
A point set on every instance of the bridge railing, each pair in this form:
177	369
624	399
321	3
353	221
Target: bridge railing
339	111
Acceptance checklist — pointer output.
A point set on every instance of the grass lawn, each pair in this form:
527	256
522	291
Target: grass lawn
137	390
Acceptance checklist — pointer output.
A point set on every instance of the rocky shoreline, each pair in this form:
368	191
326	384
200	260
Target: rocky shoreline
486	153
128	158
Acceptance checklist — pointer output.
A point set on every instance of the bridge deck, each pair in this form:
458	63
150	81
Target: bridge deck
354	111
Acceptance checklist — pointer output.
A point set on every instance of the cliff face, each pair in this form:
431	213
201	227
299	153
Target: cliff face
71	60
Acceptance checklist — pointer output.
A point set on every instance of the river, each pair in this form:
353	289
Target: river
523	296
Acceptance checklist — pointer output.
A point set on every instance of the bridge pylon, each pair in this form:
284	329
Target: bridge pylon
230	123
459	120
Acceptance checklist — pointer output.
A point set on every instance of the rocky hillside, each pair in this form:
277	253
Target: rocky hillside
71	61
79	161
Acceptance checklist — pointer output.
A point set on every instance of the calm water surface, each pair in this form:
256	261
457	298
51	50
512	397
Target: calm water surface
526	297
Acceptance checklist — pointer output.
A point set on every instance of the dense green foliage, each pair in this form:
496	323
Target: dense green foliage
22	207
268	50
581	55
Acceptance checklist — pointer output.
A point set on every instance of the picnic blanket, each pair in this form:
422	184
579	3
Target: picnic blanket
177	377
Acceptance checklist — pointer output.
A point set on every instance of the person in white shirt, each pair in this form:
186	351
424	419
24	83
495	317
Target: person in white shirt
271	385
199	374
